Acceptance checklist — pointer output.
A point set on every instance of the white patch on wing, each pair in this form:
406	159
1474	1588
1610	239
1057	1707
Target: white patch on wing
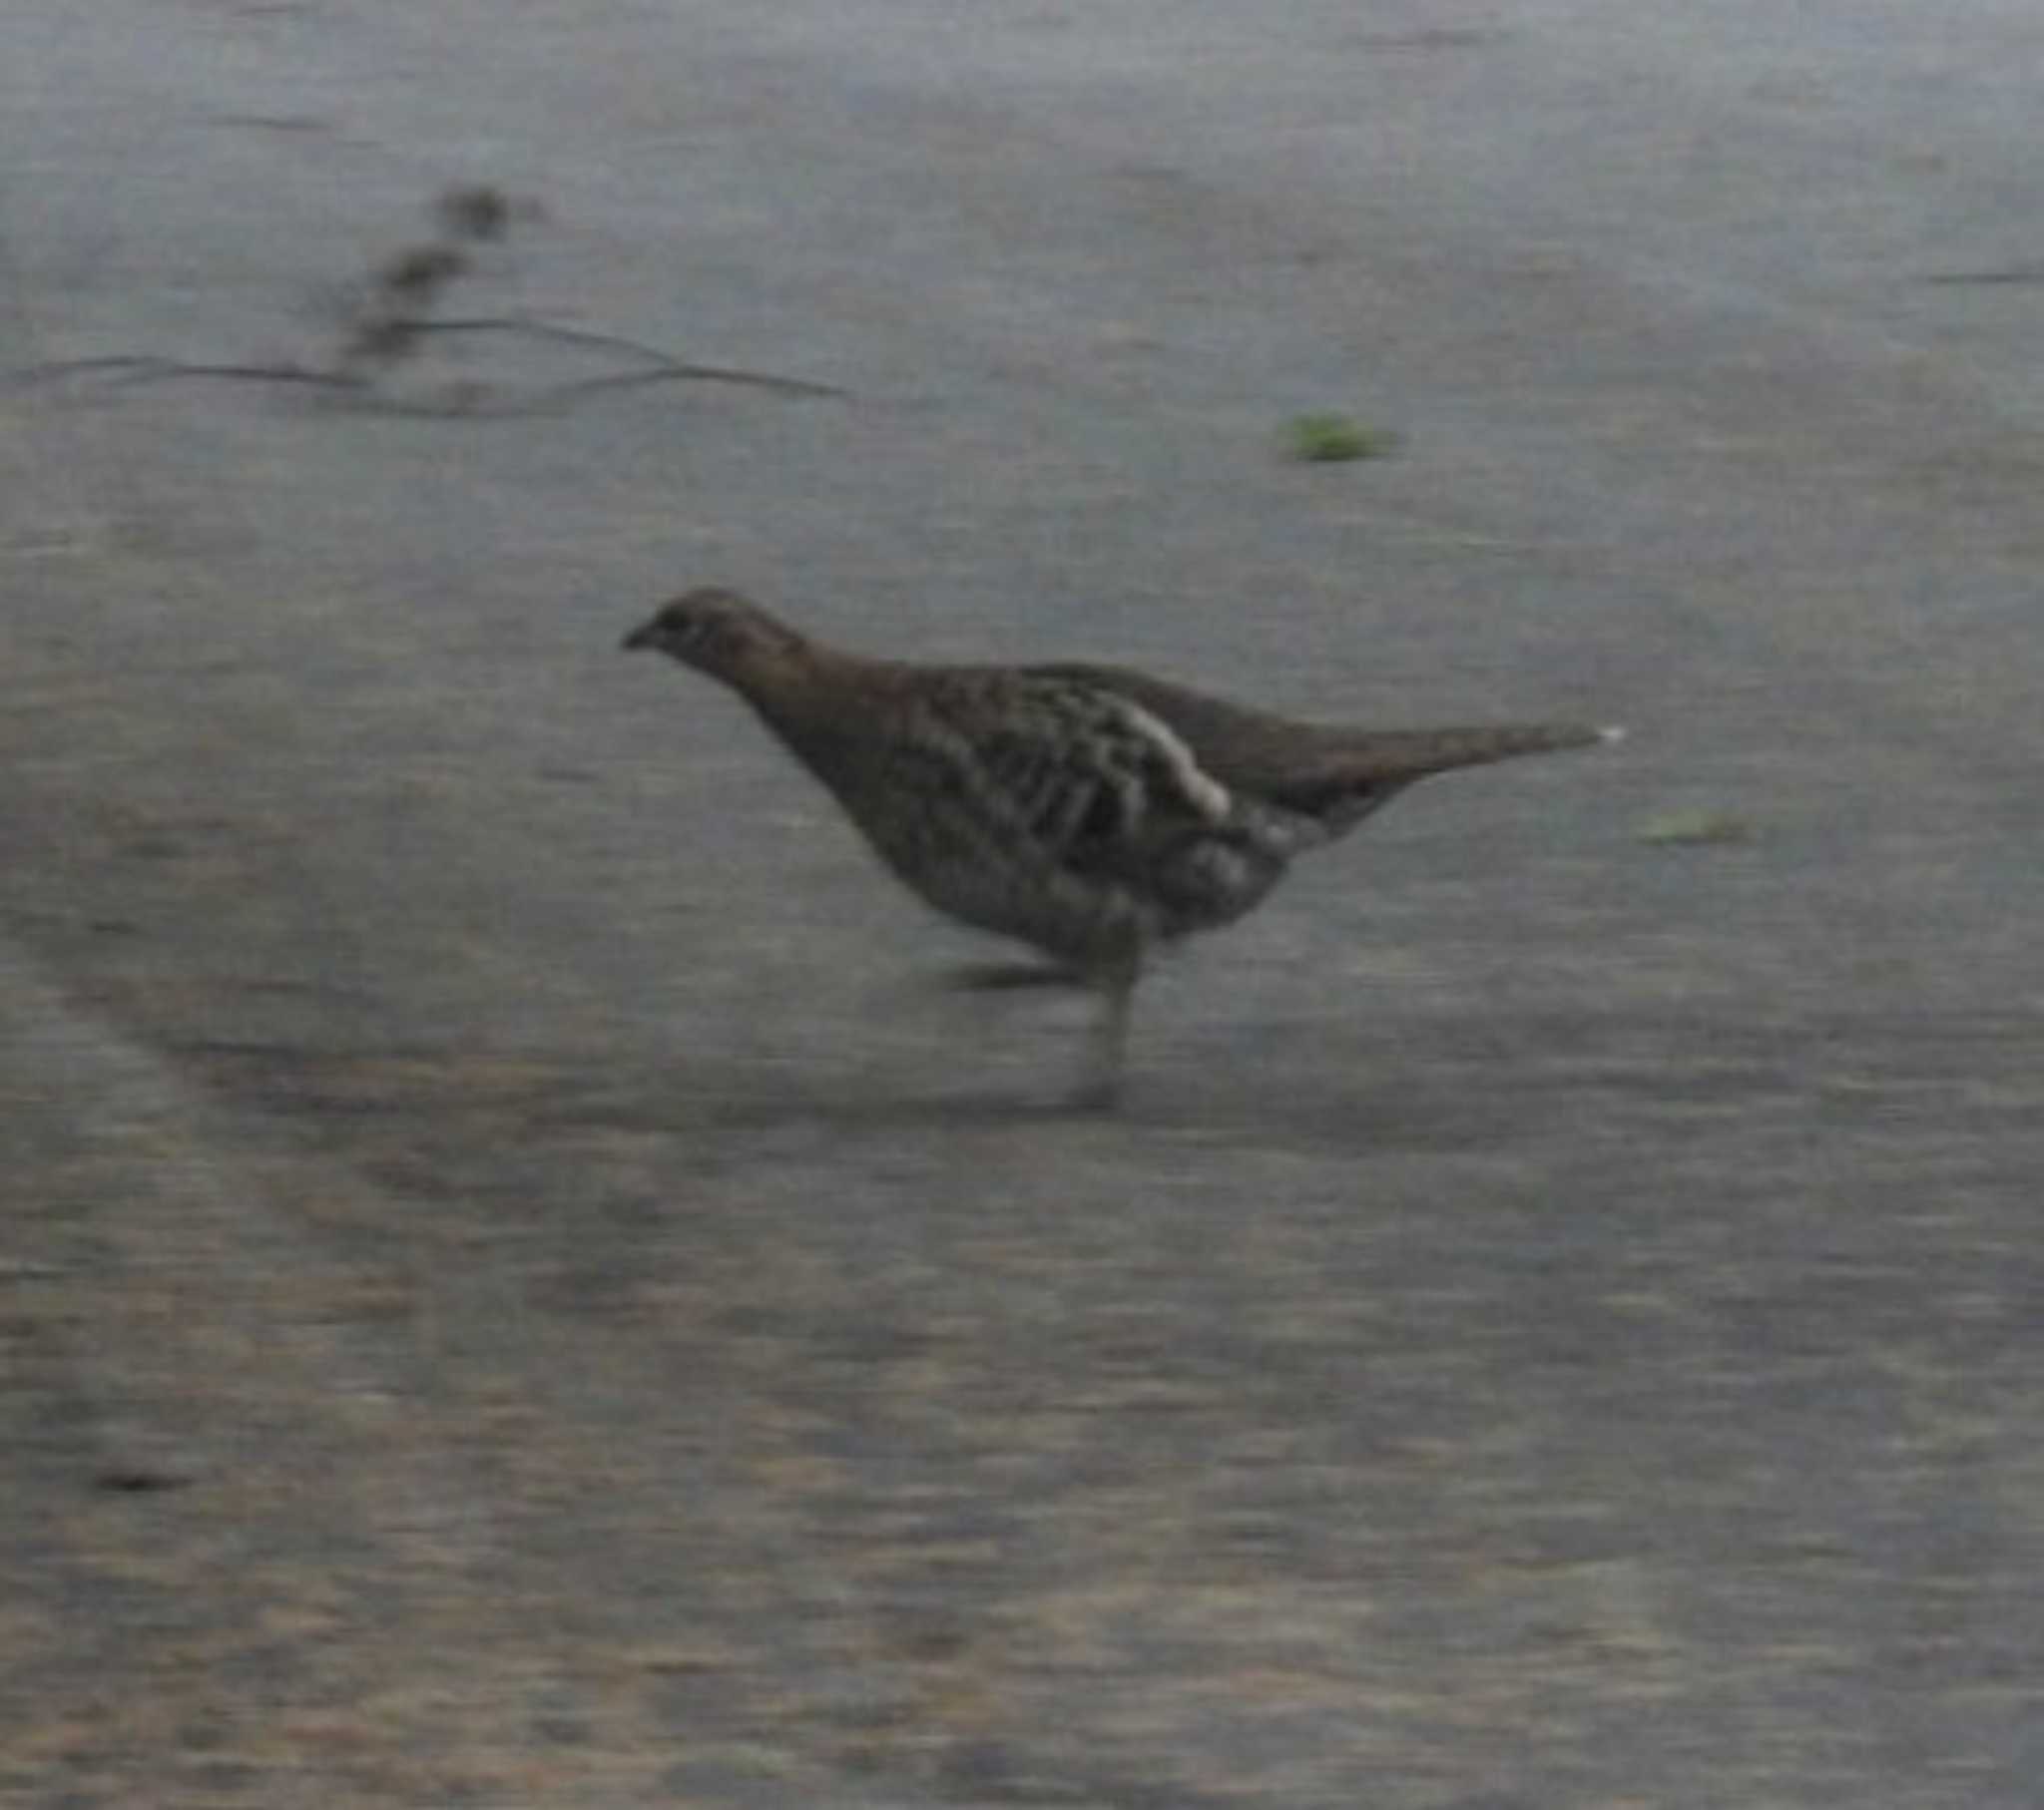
1208	797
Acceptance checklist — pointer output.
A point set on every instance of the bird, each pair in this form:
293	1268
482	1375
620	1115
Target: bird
1095	814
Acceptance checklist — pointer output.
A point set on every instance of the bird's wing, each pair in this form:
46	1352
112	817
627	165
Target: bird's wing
1088	777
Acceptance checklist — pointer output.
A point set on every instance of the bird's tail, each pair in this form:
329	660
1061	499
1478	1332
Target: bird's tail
1402	755
1360	772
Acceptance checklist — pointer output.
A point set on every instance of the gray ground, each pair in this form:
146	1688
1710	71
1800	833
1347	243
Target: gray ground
516	1290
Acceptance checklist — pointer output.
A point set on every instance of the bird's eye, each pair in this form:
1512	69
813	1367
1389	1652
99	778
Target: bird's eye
702	634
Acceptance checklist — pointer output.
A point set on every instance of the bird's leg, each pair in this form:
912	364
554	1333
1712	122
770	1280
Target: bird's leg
1109	1042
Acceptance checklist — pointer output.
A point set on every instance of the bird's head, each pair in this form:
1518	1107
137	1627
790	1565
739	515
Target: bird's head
716	632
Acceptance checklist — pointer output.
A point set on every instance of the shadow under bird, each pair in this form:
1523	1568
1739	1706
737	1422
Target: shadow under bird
1090	811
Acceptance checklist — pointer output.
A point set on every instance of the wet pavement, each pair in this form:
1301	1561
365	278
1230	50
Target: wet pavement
515	1286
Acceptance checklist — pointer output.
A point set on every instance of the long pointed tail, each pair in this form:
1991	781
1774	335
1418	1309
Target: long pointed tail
1363	773
1402	755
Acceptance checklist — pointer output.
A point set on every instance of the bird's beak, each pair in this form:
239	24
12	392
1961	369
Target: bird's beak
646	634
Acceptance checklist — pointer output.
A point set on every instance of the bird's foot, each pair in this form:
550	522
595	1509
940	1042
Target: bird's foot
1014	977
1096	1093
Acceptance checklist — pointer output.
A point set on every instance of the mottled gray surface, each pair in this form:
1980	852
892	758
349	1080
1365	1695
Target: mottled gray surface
1558	1322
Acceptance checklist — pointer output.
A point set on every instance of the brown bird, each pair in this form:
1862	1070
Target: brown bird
1090	811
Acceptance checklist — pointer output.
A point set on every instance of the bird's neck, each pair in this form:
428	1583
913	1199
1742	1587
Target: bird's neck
806	692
